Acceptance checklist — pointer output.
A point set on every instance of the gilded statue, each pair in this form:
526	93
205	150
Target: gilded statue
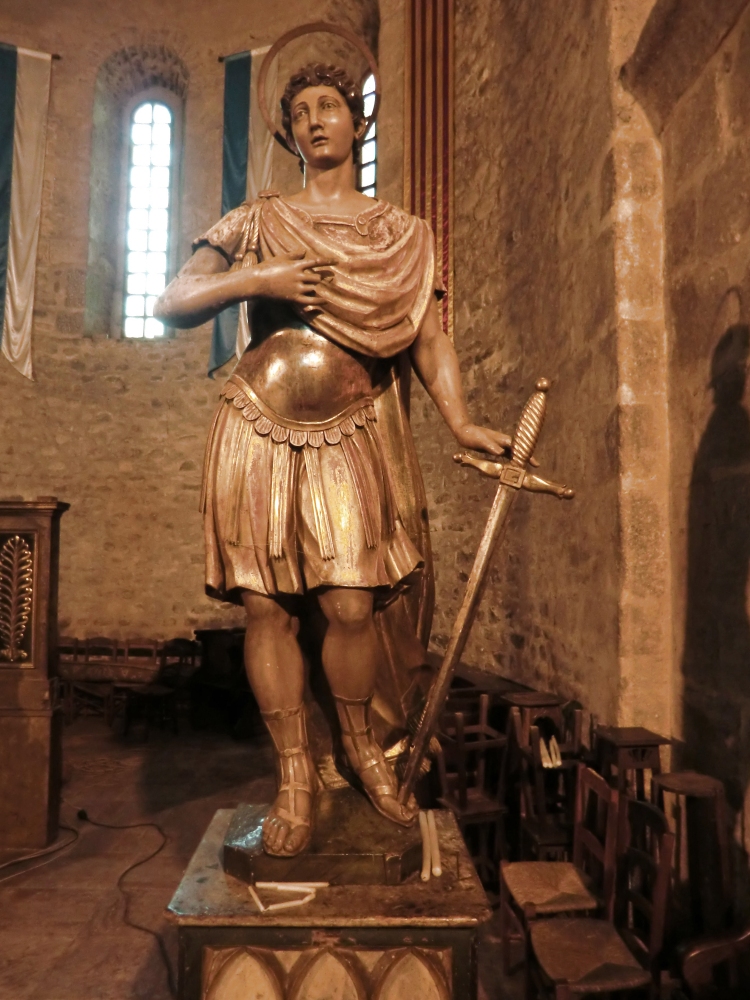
311	490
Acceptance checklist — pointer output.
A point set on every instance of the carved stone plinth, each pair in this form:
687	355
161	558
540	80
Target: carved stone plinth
30	727
352	844
387	942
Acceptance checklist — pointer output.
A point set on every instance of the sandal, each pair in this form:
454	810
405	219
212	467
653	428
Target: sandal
369	762
289	734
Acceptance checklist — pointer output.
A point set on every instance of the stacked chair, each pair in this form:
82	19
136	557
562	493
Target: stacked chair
580	956
594	924
124	679
471	767
710	968
548	760
587	905
531	890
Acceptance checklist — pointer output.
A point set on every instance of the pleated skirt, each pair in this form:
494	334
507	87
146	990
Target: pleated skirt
291	506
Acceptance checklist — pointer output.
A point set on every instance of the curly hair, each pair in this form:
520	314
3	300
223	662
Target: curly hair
321	75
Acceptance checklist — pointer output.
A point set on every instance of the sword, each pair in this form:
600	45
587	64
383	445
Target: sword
513	477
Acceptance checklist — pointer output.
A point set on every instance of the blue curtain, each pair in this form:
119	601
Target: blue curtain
233	184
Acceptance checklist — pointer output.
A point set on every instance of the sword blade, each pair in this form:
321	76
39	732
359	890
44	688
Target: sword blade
493	531
524	443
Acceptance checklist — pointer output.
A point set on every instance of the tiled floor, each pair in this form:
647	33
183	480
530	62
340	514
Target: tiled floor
62	932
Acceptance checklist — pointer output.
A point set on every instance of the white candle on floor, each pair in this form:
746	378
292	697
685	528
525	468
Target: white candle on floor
437	870
425	831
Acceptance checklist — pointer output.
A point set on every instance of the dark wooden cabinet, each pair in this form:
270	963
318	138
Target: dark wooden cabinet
30	722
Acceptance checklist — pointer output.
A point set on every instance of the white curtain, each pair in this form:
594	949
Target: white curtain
29	140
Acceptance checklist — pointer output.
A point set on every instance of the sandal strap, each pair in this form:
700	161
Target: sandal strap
289	817
357	732
373	762
354	701
283	713
382	789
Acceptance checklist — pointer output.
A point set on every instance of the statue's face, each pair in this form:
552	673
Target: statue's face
322	126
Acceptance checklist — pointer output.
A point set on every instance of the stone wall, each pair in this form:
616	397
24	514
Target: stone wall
706	141
535	295
115	427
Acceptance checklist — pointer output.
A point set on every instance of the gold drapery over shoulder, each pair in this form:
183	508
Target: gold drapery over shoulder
382	282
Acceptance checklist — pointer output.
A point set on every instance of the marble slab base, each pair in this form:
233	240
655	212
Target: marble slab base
352	844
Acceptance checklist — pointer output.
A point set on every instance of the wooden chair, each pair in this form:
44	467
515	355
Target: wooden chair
148	703
583	956
471	768
86	694
101	649
463	696
142	652
532	889
702	894
533	706
548	792
625	753
710	967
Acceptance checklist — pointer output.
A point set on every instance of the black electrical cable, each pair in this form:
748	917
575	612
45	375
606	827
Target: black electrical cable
55	850
84	817
52	849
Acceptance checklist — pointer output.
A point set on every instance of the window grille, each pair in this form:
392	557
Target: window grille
149	186
368	156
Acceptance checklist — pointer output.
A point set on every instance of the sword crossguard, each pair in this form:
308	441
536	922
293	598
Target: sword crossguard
518	479
514	474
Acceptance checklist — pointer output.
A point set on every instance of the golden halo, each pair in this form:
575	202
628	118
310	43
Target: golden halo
310	29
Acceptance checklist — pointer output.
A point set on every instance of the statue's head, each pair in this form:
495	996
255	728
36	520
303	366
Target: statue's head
322	114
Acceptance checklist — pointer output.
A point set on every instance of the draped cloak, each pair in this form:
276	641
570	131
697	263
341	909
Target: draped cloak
382	284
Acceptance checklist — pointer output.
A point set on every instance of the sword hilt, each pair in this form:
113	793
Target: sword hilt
530	425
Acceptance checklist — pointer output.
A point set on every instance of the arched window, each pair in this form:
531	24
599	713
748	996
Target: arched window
368	158
147	232
129	83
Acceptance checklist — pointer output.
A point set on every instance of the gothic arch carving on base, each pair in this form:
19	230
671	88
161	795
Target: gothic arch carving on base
352	973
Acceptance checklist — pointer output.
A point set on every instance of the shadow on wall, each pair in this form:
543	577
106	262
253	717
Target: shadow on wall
716	661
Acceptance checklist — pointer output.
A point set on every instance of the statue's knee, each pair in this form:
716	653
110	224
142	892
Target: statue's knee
264	611
347	609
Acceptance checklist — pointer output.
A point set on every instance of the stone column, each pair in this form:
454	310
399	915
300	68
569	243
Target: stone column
633	180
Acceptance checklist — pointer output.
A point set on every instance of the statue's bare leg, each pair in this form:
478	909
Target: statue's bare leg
276	673
351	654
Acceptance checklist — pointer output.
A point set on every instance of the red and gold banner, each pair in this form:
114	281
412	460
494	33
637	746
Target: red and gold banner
428	146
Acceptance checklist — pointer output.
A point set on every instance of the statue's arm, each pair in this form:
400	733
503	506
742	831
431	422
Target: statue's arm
205	285
434	360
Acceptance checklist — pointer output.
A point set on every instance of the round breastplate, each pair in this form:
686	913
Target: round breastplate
303	376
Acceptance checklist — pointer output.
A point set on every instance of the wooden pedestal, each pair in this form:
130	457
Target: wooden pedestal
30	726
375	942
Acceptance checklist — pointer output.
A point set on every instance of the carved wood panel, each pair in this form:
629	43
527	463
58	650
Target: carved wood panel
326	974
17	581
